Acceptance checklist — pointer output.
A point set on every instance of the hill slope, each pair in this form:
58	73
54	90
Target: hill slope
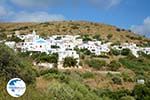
74	27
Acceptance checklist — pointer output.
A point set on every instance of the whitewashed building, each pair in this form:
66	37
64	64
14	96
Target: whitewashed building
64	45
133	47
146	50
10	44
95	47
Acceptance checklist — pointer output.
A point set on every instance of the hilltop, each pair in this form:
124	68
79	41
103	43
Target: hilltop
114	33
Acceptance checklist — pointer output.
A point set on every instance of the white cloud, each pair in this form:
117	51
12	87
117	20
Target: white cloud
22	16
50	3
36	17
105	3
36	3
143	29
3	11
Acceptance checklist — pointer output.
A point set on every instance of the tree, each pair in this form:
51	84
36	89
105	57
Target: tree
115	52
54	46
141	92
69	62
43	57
125	52
14	38
3	36
12	65
118	29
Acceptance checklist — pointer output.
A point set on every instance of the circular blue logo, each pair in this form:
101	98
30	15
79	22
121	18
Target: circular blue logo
16	87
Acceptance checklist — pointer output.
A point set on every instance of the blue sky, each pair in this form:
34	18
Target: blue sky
129	14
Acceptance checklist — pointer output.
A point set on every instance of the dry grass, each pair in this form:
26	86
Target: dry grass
42	83
72	27
103	82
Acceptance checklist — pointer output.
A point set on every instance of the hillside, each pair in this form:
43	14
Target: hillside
74	27
112	76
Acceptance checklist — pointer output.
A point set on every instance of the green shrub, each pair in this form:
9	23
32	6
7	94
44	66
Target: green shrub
70	62
86	51
12	65
54	46
114	65
115	52
87	75
114	95
44	72
135	64
81	63
141	92
116	43
118	29
109	36
97	37
86	38
125	52
14	38
43	57
96	63
117	80
3	36
127	98
127	77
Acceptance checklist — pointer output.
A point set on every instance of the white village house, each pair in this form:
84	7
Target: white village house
133	47
64	45
95	47
61	44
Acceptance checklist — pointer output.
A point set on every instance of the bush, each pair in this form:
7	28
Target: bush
12	65
115	52
97	37
69	62
141	92
54	46
114	95
87	75
109	36
128	76
123	30
127	98
125	52
114	65
44	72
3	36
81	63
43	57
14	38
135	64
86	51
142	54
118	29
116	43
95	63
86	38
117	80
